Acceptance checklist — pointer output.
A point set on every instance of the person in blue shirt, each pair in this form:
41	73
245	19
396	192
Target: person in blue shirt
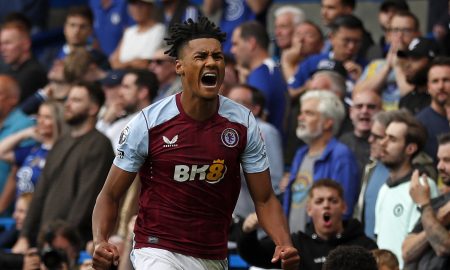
250	49
110	20
11	118
323	156
346	37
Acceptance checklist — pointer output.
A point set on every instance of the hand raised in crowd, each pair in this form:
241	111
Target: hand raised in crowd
419	188
105	255
391	56
353	69
250	223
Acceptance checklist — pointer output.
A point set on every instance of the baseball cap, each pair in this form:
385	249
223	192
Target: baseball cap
418	48
113	78
331	65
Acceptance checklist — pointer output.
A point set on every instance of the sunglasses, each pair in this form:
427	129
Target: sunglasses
159	62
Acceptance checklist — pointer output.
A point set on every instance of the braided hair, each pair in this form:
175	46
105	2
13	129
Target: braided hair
181	33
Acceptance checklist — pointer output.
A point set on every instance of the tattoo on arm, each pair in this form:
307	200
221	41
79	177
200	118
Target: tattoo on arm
437	234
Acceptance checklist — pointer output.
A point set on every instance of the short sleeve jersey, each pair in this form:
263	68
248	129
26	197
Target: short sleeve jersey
190	173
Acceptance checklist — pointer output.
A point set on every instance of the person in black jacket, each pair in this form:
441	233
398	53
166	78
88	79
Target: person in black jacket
324	233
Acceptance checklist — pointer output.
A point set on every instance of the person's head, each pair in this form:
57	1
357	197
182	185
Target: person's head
83	103
140	10
330	75
286	19
50	120
15	40
439	82
386	260
364	105
403	28
418	57
249	97
378	131
231	75
61	236
79	65
111	85
9	95
350	258
321	115
78	25
139	87
21	209
200	61
387	10
248	39
331	9
326	206
346	37
443	156
310	36
405	138
163	66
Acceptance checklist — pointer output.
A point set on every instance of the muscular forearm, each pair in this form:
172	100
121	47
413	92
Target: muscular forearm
272	219
413	246
104	217
437	234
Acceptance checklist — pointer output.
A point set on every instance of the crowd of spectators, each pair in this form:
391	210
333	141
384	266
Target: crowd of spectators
357	130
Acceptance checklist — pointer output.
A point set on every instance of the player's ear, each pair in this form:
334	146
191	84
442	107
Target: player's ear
179	69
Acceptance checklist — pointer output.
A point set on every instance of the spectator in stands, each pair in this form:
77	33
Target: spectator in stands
77	31
427	246
178	11
405	137
386	260
365	105
111	85
9	237
139	42
346	37
350	258
374	174
325	232
30	160
250	49
434	117
307	40
74	172
333	9
386	76
287	18
253	99
11	119
16	54
110	20
164	67
59	246
387	10
234	13
323	156
418	56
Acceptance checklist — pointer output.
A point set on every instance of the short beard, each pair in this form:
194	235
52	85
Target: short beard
306	136
420	78
77	120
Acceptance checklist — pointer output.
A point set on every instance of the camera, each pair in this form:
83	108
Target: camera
54	258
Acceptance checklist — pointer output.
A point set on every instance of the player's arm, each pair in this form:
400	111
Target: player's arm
105	215
272	218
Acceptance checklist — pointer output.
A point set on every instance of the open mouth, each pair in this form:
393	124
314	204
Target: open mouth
327	218
209	79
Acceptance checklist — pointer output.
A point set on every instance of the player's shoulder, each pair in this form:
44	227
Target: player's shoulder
158	112
234	111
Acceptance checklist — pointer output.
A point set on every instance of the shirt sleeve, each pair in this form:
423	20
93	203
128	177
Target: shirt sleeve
132	149
254	158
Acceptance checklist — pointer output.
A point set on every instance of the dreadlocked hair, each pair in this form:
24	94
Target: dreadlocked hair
181	33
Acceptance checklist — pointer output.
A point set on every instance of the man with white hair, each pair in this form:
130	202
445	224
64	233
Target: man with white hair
323	156
286	20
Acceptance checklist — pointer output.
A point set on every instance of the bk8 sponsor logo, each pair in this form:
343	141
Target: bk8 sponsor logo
212	173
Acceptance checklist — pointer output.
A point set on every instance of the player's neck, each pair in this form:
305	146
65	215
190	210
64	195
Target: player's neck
199	109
